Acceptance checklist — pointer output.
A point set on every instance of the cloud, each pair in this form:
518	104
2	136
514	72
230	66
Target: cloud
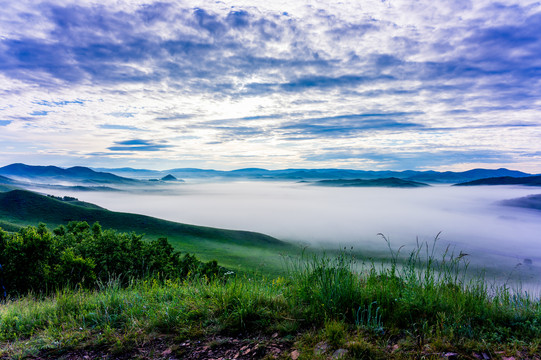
175	117
414	160
58	103
118	127
121	114
350	125
138	145
265	75
39	113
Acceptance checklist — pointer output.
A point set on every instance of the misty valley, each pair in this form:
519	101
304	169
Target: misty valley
498	226
268	253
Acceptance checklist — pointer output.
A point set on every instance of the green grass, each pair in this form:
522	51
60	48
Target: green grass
239	250
422	308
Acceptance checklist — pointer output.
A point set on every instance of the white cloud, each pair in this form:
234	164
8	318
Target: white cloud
462	68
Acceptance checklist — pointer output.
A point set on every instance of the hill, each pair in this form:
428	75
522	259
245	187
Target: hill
385	182
470	175
54	173
505	180
528	202
5	180
170	177
233	248
320	174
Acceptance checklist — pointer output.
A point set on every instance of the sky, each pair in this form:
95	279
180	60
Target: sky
371	85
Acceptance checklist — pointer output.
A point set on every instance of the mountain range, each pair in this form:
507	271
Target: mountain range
448	177
54	174
11	174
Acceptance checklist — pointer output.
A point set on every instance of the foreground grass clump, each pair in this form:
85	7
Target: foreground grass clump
432	300
416	306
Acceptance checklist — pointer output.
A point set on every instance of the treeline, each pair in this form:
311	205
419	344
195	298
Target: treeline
42	261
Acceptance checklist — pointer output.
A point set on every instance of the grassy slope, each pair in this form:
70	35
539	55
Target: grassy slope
234	249
383	182
424	311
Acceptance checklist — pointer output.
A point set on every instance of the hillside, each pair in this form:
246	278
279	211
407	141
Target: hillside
234	248
527	202
385	182
5	180
505	180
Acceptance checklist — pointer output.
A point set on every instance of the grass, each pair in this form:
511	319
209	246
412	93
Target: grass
421	306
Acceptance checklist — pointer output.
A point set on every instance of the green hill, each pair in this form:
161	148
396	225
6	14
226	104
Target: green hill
236	249
505	180
383	182
528	202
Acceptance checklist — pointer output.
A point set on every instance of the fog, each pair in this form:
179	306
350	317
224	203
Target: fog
469	218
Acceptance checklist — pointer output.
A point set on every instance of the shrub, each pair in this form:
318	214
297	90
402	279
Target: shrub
36	259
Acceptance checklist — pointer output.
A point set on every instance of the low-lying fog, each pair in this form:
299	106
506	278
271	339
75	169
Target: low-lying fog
468	218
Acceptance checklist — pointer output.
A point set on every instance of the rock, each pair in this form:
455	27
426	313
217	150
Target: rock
339	354
321	348
167	352
295	354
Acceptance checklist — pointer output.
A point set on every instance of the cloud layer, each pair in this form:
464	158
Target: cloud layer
362	85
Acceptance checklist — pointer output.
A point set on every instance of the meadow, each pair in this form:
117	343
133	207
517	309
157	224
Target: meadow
418	305
264	298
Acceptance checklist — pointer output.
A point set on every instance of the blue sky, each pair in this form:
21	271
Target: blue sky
275	84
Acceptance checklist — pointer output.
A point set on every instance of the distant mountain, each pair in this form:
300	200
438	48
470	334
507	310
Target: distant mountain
505	180
169	177
133	173
73	174
528	202
470	175
320	174
384	182
127	175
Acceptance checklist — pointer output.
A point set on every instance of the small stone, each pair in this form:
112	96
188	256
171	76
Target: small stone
451	355
275	335
339	354
321	348
295	354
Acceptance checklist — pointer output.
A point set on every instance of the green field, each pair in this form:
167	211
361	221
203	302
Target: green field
322	308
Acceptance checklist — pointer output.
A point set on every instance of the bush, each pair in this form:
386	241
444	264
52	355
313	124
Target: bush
35	259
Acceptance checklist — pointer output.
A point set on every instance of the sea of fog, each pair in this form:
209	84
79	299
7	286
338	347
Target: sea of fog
469	219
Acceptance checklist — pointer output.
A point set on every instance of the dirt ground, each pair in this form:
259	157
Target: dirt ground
214	348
